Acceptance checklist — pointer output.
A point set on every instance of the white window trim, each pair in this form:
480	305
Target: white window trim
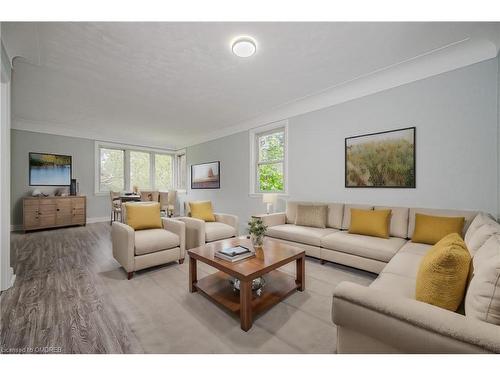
126	160
253	133
178	171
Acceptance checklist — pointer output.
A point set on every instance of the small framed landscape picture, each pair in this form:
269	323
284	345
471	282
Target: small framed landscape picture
205	176
381	160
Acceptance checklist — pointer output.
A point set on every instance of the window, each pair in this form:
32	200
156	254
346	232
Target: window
163	172
269	159
111	170
121	168
140	170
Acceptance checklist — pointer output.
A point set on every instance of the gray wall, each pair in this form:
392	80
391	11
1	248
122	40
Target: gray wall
82	152
455	114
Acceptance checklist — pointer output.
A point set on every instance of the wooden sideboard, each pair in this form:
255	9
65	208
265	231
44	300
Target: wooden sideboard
52	212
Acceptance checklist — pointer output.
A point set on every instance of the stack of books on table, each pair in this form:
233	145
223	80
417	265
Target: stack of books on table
234	254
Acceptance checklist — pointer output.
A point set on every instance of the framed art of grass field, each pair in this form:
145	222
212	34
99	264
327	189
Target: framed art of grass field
381	160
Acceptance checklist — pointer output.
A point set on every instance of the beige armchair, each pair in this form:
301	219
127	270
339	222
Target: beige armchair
199	232
137	250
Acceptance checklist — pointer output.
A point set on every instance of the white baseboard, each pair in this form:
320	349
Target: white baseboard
7	279
90	220
101	219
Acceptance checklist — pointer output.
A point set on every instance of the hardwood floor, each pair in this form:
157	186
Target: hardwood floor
71	296
59	303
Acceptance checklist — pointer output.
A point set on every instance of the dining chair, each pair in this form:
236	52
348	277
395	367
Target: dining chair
116	206
149	196
167	202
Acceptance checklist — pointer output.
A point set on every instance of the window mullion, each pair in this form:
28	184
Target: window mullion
152	171
126	172
271	162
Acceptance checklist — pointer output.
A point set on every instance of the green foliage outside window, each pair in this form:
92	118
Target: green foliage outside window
270	175
111	170
163	172
139	170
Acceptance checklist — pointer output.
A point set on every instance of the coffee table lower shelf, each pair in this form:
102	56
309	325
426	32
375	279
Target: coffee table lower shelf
217	287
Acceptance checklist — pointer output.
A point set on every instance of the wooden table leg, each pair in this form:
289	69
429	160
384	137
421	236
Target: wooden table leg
246	305
301	270
193	278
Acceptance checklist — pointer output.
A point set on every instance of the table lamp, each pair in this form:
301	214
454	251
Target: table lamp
270	199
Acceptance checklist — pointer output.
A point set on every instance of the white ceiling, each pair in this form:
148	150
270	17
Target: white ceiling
173	84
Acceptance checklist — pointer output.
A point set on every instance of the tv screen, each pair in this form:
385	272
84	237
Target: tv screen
50	169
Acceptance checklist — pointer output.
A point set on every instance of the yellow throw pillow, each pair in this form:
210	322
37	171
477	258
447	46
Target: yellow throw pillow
143	215
431	229
370	223
202	210
443	273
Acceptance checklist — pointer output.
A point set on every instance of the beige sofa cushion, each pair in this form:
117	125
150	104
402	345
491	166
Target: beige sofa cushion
346	219
335	215
481	235
468	215
400	275
482	300
151	240
218	231
296	233
415	248
396	284
377	248
399	220
480	220
311	215
291	209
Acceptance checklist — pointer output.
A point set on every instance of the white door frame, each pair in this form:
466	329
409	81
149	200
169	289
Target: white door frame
6	272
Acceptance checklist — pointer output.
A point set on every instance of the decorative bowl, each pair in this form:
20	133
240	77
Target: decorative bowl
257	284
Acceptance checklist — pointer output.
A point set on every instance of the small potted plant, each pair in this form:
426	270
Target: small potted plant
257	230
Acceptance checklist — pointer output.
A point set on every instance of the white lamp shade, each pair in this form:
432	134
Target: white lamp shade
269	198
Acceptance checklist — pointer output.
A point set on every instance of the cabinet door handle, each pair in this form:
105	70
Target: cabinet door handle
57	209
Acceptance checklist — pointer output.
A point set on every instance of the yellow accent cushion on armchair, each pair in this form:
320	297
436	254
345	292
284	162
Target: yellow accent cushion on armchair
202	210
431	229
143	215
370	223
443	272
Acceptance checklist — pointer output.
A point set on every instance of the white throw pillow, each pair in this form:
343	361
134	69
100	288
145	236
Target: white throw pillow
482	300
480	220
481	235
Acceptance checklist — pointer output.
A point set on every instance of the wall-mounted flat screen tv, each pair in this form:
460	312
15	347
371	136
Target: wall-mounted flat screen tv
50	169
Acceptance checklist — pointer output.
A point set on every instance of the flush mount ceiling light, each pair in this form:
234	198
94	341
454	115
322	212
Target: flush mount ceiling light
244	46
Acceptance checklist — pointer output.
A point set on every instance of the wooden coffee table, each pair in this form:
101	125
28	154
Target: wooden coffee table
245	302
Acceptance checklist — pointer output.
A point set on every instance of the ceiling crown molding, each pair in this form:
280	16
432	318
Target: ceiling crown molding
451	57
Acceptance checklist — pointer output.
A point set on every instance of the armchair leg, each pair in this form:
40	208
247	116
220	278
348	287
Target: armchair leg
130	275
181	261
322	261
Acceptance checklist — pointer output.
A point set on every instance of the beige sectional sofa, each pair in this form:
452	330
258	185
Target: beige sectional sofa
335	244
385	317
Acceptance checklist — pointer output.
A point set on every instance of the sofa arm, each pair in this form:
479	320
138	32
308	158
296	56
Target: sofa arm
123	241
228	219
270	220
195	232
179	228
373	321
